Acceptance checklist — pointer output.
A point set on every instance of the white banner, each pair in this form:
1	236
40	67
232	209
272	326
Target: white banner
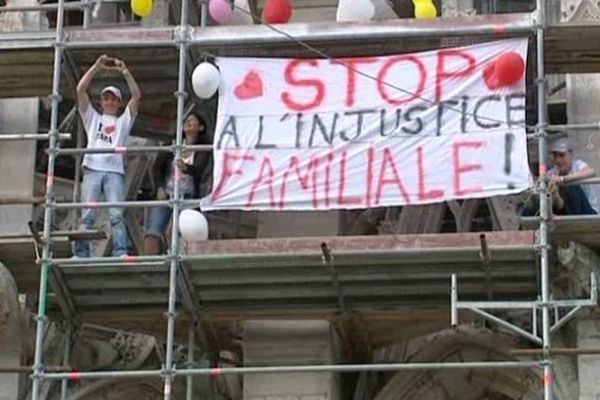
407	129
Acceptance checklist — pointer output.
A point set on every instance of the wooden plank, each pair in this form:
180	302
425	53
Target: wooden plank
236	280
70	235
341	243
19	257
123	34
34	57
386	295
583	230
15	70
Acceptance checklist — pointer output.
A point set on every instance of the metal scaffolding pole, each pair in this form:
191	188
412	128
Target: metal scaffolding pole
78	159
26	369
75	5
42	7
105	44
542	92
87	14
22	200
391	30
38	367
217	37
283	369
575	127
169	368
64	384
108	204
134	149
203	13
126	204
31	136
189	389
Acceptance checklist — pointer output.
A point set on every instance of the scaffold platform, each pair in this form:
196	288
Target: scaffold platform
20	254
584	229
380	278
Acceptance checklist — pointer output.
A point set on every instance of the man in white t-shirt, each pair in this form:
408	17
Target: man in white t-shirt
571	199
104	173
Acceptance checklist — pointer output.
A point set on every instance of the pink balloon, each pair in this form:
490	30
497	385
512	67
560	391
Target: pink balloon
220	10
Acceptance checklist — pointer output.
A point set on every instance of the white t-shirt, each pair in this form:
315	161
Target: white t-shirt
105	131
589	191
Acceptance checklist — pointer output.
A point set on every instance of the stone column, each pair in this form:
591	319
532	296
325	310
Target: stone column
17	159
583	90
288	343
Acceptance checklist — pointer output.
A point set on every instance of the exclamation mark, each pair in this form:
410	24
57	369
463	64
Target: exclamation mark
509	143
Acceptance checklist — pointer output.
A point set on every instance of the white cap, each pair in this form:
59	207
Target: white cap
114	90
561	146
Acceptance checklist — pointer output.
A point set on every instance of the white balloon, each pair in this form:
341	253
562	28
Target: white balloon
355	10
193	225
205	80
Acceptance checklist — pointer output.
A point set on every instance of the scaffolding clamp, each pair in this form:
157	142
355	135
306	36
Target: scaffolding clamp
183	34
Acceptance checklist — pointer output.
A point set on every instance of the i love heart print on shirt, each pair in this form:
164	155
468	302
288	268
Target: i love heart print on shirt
106	131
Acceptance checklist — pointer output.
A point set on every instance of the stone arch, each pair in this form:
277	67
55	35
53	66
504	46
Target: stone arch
475	384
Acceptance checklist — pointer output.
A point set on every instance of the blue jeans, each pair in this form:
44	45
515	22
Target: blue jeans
157	218
576	202
112	186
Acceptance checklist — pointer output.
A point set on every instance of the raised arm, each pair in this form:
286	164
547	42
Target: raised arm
83	100
134	89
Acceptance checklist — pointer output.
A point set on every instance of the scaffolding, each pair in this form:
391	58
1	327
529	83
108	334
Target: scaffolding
183	38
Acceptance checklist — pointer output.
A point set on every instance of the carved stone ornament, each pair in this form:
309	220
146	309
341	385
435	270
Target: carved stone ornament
118	389
580	10
464	344
133	348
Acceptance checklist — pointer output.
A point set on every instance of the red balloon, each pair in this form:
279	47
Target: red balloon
277	11
509	68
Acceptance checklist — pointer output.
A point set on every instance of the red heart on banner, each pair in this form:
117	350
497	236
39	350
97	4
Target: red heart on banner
109	130
250	88
489	76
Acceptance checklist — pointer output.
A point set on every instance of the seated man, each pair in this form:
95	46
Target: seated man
570	199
